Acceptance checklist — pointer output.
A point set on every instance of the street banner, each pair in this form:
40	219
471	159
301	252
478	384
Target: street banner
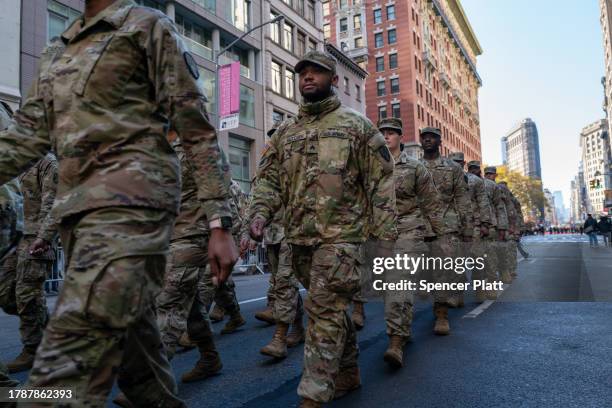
229	93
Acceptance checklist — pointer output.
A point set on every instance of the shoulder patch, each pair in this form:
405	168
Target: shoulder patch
384	152
191	65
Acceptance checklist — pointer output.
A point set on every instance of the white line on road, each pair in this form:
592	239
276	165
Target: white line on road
479	309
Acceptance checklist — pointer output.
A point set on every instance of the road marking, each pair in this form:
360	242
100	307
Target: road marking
479	309
259	298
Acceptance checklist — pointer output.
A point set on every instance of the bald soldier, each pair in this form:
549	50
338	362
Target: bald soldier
107	91
496	196
418	206
481	216
452	186
330	168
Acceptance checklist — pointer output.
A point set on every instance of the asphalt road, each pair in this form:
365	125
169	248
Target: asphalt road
545	343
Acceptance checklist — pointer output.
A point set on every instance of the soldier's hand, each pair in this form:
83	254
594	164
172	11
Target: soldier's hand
222	254
256	229
39	247
245	242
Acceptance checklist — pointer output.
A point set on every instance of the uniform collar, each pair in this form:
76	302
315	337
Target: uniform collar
115	15
327	105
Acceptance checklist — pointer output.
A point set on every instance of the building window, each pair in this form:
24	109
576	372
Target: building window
59	18
343	24
301	44
346	86
382	112
380	64
395	110
237	54
381	90
392	36
288	2
310	11
207	4
357	21
237	13
391	12
359	42
393	61
378	40
357	92
377	16
247	106
288	37
208	82
277	117
275	29
395	86
289	84
325	8
239	158
312	46
326	31
276	77
342	3
197	38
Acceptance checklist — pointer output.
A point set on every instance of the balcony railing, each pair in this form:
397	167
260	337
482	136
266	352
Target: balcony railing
198	49
244	71
457	95
428	58
445	79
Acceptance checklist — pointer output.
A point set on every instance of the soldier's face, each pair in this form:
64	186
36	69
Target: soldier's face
491	176
392	138
316	83
430	142
474	170
460	163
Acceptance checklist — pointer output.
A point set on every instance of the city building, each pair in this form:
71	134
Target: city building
550	212
521	149
605	7
351	79
560	207
595	152
421	57
578	205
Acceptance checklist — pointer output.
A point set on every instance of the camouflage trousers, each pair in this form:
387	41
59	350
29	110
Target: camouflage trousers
224	295
365	271
178	306
22	280
104	325
511	255
506	256
283	293
5	381
330	273
442	275
490	251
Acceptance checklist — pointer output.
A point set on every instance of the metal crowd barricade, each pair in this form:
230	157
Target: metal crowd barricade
254	261
54	282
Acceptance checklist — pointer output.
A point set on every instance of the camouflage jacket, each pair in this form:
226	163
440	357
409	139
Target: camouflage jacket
106	92
450	182
274	231
238	207
11	217
481	211
332	171
519	212
499	216
510	209
418	200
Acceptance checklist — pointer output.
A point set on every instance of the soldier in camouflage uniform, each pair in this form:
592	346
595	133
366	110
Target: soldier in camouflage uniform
496	196
481	217
452	186
418	206
106	93
517	229
330	168
506	256
26	271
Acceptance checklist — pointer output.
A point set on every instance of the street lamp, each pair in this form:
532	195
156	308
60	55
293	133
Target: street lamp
223	51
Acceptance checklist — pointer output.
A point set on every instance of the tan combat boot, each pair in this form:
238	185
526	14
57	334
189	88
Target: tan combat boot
296	334
441	327
216	314
395	352
185	342
277	348
348	379
208	365
266	315
308	403
358	315
506	278
236	320
23	362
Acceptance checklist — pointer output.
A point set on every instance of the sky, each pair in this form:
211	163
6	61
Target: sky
542	59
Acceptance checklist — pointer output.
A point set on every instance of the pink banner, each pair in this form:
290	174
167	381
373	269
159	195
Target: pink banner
229	79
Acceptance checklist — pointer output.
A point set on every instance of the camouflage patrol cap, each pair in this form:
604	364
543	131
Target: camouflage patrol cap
317	58
11	217
391	123
490	170
432	130
457	156
474	163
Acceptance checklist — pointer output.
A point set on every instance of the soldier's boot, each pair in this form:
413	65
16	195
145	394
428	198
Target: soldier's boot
266	315
23	362
236	320
441	327
481	295
296	334
122	401
456	301
506	277
185	342
208	365
277	348
491	294
394	355
358	315
216	314
308	403
348	379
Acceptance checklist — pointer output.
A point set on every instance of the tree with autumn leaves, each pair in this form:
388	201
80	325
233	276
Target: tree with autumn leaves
527	190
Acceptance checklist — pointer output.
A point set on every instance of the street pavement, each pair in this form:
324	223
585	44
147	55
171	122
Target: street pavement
545	343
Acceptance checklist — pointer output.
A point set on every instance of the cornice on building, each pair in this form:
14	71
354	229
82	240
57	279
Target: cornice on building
345	60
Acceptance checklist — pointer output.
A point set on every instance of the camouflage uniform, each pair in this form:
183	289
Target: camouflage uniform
332	171
24	274
499	222
507	249
517	225
105	95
